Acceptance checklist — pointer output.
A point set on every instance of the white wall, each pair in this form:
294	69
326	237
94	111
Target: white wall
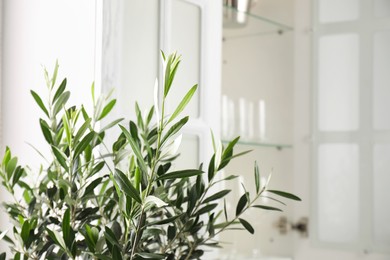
304	248
261	67
35	34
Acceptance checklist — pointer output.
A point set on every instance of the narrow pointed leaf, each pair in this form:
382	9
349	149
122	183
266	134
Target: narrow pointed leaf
174	129
126	186
60	103
83	144
266	207
180	174
224	210
116	253
135	149
285	194
39	102
82	130
183	103
25	231
11	167
207	208
46	131
216	196
257	177
241	204
113	123
66	227
167	74
247	226
107	109
61	158
164	221
151	256
60	90
55	72
140	120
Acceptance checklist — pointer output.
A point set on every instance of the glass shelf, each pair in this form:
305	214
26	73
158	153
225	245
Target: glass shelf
278	146
238	24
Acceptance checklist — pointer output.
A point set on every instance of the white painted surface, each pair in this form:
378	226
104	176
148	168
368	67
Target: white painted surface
305	249
35	34
259	69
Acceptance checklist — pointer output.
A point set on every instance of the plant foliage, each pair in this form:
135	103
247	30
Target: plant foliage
121	202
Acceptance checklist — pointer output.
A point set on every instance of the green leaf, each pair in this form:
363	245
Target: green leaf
211	170
180	174
60	90
92	186
113	123
61	158
174	129
162	55
19	171
167	74
217	195
135	149
60	103
3	256
150	116
266	207
25	232
80	147
257	177
207	208
39	102
96	169
82	130
11	167
57	238
116	253
241	203
66	228
7	156
227	154
54	78
151	256
110	237
46	131
140	120
285	194
68	132
183	103
164	221
91	237
107	109
126	186
224	210
247	226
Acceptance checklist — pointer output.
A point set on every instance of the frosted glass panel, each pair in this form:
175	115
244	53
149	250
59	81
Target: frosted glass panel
381	194
381	90
338	192
185	39
338	82
338	10
189	153
382	8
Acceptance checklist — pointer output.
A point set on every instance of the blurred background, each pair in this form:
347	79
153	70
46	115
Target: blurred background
305	83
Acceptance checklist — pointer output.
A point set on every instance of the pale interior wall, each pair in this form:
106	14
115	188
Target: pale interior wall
304	249
254	68
35	34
